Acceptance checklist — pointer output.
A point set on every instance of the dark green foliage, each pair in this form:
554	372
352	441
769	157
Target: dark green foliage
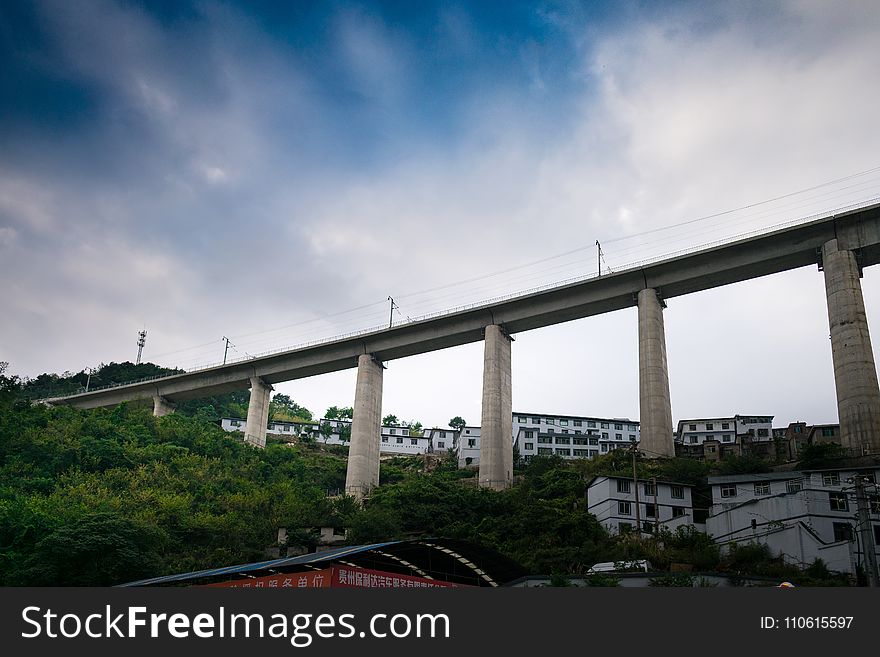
821	455
672	579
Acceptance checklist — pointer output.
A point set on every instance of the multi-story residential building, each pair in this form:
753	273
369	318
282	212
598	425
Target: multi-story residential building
799	515
725	430
661	504
571	436
800	434
442	440
469	447
394	440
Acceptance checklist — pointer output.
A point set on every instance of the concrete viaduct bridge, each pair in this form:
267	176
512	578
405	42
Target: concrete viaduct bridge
841	244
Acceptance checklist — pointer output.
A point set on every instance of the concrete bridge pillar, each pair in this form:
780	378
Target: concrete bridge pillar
162	406
496	428
655	408
366	428
258	412
855	374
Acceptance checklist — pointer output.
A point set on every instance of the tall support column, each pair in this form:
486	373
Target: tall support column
162	406
496	428
655	408
258	412
366	428
855	375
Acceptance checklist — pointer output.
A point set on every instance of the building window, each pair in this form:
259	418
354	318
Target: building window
594	452
710	437
580	452
604	448
838	501
563	452
618	427
384	439
710	426
413	441
677	492
393	431
400	440
591	424
677	511
692	427
763	433
530	446
618	436
565	431
605	435
545	450
622	484
728	490
843	531
578	441
550	431
728	438
874	501
725	425
472	442
827	432
578	423
650	488
235	423
693	440
522	420
563	441
650	510
441	445
831	479
545	440
536	420
631	427
594	441
467	431
563	422
604	425
530	435
793	485
624	508
762	489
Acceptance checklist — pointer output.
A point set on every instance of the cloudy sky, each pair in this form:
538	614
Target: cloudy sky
272	174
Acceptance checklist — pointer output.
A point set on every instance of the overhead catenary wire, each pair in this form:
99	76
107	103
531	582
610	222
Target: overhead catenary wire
527	272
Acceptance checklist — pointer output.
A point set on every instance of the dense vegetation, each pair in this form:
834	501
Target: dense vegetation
107	496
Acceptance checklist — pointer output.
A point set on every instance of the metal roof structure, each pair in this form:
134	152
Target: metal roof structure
446	560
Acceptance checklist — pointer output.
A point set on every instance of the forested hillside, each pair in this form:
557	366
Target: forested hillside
107	496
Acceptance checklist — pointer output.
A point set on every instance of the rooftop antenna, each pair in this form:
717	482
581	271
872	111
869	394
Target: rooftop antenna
142	340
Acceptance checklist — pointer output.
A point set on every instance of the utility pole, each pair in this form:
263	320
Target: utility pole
599	256
865	530
226	350
89	377
391	316
656	508
142	340
636	487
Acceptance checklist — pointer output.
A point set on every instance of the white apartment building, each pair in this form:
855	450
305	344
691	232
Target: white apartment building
725	429
394	440
571	436
799	515
469	447
662	504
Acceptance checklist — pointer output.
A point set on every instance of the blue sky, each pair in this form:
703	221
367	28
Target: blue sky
255	169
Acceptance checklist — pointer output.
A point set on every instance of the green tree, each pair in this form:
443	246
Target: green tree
390	420
457	423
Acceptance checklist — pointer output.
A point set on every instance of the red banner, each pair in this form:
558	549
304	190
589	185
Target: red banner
361	578
314	579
